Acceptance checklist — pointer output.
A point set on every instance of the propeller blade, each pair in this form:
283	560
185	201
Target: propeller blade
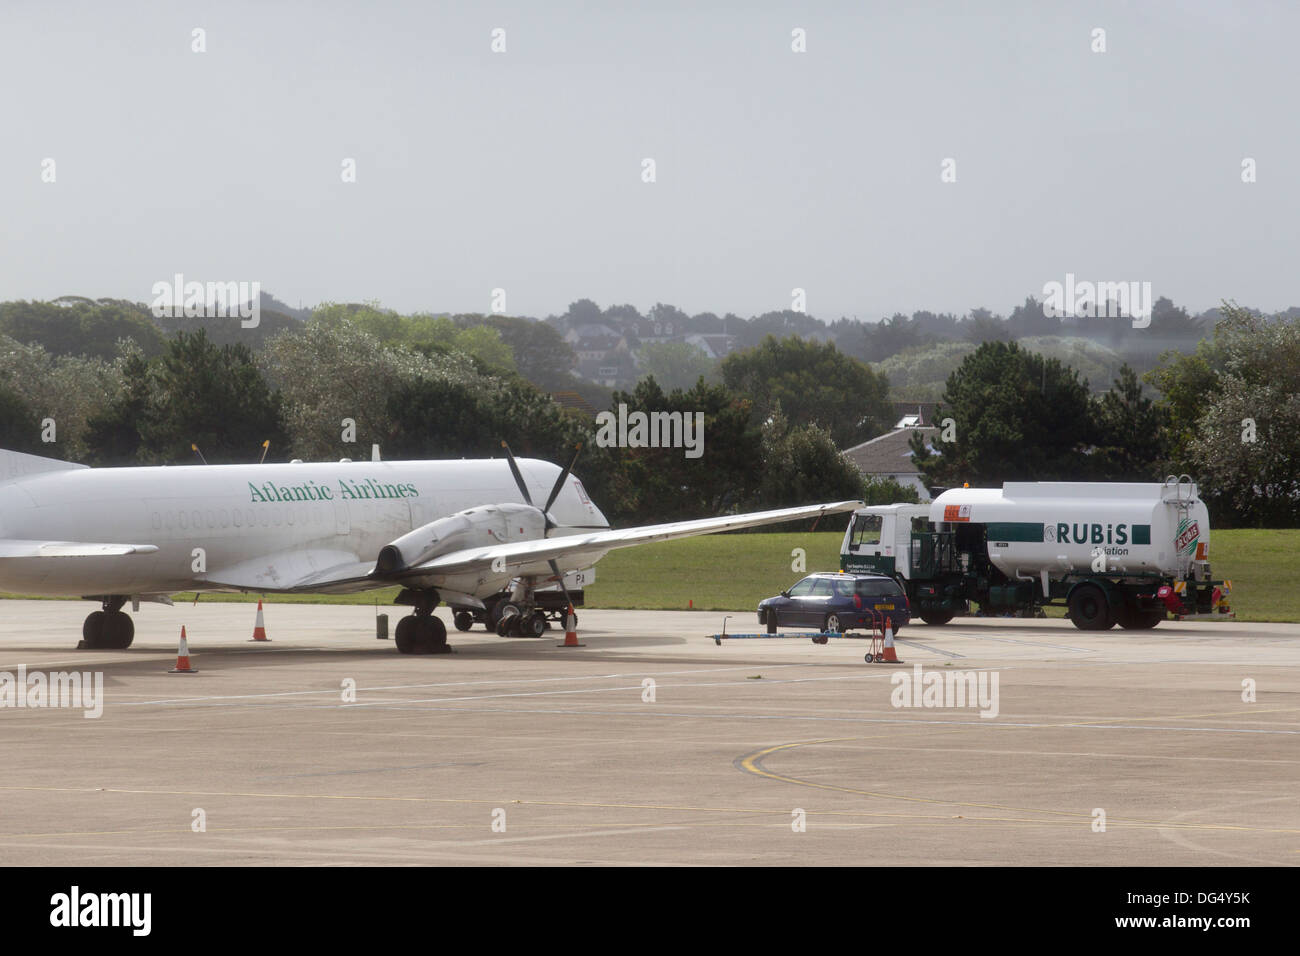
519	479
560	577
559	482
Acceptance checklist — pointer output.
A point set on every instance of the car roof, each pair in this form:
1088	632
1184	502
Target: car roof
851	575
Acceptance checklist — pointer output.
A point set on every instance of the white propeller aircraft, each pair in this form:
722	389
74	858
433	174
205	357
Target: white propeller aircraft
455	531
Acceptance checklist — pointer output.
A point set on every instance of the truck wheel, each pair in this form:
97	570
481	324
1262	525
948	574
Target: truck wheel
1089	609
1145	620
936	618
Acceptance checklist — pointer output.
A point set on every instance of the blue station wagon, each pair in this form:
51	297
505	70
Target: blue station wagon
833	602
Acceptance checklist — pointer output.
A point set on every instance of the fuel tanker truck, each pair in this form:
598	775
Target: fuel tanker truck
1110	552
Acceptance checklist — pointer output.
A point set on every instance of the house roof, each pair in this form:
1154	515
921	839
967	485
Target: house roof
887	454
573	400
910	414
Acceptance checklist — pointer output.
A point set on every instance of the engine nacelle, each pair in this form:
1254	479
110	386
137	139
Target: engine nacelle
486	525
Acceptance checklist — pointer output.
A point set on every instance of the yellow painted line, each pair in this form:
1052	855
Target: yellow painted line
750	765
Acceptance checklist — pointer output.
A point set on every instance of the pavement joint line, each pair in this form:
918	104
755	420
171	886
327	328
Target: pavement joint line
782	812
520	680
995	724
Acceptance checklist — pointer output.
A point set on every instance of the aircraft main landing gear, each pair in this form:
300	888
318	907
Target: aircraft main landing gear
422	632
108	630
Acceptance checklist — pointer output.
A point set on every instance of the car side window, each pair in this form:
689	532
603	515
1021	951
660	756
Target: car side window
803	588
822	588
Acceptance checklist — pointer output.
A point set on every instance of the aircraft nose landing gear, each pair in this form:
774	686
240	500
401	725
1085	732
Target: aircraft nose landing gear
109	629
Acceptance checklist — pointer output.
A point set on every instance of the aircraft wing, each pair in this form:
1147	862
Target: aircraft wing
525	553
16	548
324	571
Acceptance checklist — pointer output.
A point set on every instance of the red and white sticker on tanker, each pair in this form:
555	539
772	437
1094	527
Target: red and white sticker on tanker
956	512
1187	536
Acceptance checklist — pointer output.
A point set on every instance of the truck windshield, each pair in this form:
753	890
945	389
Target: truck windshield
866	530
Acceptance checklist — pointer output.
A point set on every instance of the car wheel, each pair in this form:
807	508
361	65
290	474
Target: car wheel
770	617
832	625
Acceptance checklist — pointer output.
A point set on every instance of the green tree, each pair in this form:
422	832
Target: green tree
20	429
69	389
1131	432
802	465
330	370
813	384
663	484
194	393
1018	416
1246	441
675	364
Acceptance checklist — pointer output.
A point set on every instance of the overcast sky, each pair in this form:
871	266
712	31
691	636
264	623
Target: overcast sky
523	170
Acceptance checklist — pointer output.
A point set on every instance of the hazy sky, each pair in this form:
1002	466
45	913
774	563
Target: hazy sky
522	170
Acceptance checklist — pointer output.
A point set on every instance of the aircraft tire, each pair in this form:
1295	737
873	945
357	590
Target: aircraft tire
404	636
92	631
118	631
464	620
433	635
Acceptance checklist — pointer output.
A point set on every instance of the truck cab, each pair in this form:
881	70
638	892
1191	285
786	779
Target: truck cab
879	539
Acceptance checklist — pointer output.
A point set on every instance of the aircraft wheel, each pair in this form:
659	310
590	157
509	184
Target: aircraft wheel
405	635
118	630
464	620
92	631
432	635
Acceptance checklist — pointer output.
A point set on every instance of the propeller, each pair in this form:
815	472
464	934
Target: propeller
559	483
514	470
555	489
560	577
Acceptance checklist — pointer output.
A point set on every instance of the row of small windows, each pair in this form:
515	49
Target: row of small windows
266	516
273	516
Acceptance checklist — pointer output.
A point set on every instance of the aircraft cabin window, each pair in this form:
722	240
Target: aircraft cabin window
156	521
182	520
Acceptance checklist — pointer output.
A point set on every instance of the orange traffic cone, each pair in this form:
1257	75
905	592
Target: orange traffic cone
889	656
183	657
571	630
259	626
